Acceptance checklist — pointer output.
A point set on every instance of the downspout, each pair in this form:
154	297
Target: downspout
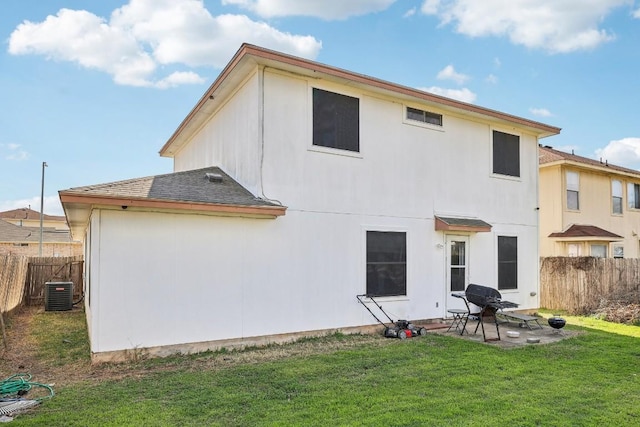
537	209
261	132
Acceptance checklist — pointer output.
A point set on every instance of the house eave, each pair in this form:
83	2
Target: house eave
586	239
78	208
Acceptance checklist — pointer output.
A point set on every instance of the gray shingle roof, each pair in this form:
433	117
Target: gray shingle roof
187	186
14	233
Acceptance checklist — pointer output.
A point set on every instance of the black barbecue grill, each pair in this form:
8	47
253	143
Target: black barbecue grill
490	302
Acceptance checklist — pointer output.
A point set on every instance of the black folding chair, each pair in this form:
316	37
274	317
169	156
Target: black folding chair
460	316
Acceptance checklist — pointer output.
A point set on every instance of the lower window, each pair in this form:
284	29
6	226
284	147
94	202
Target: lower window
386	263
599	251
507	262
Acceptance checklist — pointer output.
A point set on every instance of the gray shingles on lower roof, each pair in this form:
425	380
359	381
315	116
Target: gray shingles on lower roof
186	186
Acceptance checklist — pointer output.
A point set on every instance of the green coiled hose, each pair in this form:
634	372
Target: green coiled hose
19	384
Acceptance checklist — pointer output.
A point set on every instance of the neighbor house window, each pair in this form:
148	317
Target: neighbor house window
633	196
506	154
599	251
618	251
574	249
507	262
573	191
386	263
616	193
424	116
336	120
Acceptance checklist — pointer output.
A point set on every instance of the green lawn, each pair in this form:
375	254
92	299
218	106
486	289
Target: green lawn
589	380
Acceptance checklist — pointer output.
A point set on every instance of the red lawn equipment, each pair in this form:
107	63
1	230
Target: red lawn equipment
400	329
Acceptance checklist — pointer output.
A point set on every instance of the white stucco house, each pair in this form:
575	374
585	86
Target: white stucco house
296	187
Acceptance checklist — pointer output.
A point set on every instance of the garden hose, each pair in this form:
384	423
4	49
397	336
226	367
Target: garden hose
19	384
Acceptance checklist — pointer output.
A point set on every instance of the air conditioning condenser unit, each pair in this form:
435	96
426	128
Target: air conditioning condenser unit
58	296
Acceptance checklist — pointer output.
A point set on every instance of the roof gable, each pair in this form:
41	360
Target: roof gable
248	57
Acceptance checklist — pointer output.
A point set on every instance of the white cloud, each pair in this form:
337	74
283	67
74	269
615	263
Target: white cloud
51	204
492	78
13	152
142	35
325	9
449	73
636	13
464	94
409	13
178	78
551	25
542	112
622	152
430	7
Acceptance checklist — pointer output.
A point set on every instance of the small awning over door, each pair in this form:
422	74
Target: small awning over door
444	223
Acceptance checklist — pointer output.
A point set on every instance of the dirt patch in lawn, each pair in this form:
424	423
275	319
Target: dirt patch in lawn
38	344
25	354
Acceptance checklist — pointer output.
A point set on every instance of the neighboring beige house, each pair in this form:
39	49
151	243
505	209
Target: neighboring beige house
587	207
20	234
27	217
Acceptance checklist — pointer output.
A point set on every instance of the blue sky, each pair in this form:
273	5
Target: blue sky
96	88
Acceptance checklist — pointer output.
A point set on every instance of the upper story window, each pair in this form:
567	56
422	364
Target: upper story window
424	116
633	195
507	262
506	154
616	194
386	263
336	120
573	190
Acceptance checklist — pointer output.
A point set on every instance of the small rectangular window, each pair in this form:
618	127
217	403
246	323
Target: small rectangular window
386	263
336	120
616	194
573	191
599	251
574	249
506	154
618	251
507	262
633	196
424	116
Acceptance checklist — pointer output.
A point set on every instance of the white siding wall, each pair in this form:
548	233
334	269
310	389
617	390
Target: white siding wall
190	278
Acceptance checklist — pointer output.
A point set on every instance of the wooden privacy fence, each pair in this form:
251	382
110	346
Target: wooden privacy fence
53	269
578	284
13	270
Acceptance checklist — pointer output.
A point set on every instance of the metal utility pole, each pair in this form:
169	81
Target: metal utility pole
44	165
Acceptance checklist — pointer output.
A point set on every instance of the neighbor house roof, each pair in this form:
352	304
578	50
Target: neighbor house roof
203	190
11	233
30	214
586	231
248	57
550	157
